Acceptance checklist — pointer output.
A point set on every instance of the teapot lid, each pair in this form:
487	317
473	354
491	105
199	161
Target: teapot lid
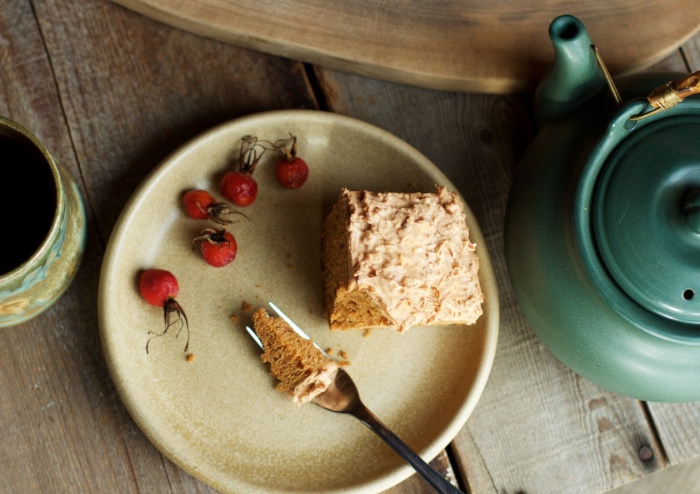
645	216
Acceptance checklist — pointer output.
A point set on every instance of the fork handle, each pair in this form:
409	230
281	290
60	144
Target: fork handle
437	481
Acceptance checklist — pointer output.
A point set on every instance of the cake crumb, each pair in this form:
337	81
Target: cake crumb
343	354
247	307
344	363
234	318
190	357
330	351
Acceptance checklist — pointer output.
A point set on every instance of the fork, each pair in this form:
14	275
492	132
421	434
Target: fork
342	396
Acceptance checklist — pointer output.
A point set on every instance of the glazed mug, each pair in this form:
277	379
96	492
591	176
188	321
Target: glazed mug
43	226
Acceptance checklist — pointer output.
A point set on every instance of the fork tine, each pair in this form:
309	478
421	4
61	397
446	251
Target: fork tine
294	326
255	337
286	319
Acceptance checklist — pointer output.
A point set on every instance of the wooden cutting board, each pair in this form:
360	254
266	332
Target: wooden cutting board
464	45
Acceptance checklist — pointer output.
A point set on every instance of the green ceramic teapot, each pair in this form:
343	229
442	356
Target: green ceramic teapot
602	229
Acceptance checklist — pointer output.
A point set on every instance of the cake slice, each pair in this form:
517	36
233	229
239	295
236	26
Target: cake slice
301	369
397	260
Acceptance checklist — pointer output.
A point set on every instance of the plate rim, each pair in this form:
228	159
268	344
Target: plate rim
486	273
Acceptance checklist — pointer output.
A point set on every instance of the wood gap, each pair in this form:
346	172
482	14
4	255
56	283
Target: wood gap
86	198
167	475
316	90
132	470
686	62
654	432
461	476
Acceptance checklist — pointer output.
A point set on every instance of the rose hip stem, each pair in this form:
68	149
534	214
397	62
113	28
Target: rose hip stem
159	288
201	205
291	171
239	186
171	306
252	150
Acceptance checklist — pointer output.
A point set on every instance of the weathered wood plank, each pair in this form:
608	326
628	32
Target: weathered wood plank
60	416
111	93
682	478
691	50
678	426
133	90
467	45
470	464
530	427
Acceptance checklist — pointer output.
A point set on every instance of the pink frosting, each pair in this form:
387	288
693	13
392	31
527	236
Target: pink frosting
412	252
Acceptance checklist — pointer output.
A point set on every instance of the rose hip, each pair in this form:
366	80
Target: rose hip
159	288
218	247
292	174
239	188
291	171
201	205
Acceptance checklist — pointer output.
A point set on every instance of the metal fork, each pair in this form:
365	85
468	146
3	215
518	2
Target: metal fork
342	396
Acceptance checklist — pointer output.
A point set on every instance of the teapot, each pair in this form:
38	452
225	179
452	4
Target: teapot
602	226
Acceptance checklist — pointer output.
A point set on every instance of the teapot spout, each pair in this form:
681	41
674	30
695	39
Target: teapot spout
575	75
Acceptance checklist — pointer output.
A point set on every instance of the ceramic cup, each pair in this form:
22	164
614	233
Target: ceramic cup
43	226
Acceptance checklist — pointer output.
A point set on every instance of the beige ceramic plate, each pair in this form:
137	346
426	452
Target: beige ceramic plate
219	416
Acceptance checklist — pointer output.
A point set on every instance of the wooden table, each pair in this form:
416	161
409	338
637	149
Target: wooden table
112	93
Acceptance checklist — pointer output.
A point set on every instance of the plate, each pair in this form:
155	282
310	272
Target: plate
219	416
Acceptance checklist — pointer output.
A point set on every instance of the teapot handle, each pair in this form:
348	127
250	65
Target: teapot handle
688	85
671	93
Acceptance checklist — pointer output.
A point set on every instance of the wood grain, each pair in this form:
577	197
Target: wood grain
60	416
682	478
140	89
111	93
465	45
691	50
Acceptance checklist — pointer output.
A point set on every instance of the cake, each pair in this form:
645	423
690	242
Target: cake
397	260
301	369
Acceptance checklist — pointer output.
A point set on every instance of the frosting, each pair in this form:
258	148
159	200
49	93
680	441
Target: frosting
412	252
314	384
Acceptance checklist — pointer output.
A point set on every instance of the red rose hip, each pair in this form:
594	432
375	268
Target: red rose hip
291	171
239	188
292	174
218	247
201	205
159	288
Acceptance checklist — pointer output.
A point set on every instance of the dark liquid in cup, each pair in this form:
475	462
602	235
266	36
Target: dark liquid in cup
27	201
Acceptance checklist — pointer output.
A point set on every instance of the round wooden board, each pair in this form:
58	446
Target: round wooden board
461	45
